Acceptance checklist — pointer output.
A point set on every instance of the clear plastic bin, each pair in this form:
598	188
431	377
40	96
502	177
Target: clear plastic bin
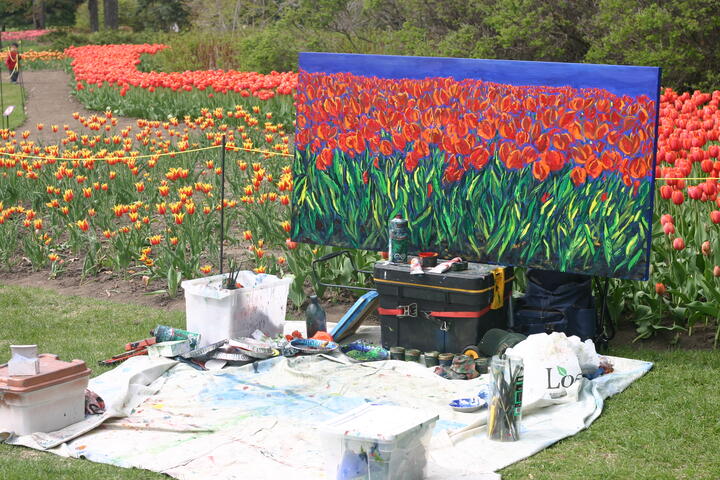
218	314
378	442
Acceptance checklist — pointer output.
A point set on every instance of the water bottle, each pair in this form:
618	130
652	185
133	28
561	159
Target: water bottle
314	317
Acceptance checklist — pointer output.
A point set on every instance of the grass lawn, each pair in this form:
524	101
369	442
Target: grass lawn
665	426
11	95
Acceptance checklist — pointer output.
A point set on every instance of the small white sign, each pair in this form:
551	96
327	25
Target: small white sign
8	111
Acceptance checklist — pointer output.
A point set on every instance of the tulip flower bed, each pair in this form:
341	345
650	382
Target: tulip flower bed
107	77
21	35
685	280
44	60
147	198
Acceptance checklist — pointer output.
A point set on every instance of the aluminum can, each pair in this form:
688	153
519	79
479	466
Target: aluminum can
399	240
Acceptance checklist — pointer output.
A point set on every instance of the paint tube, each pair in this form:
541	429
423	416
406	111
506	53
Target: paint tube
415	267
445	266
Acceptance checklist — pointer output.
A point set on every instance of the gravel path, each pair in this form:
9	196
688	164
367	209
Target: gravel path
50	102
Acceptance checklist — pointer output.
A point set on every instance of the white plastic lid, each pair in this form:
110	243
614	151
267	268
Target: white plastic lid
378	423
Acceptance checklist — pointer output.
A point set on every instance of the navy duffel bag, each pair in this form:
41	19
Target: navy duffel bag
557	302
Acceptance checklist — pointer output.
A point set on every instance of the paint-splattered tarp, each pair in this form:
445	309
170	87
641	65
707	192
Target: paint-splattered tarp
259	421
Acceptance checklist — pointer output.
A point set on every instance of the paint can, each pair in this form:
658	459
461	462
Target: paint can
397	353
412	355
446	359
431	359
399	239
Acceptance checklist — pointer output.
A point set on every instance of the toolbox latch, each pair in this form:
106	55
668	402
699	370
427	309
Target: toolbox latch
408	310
499	289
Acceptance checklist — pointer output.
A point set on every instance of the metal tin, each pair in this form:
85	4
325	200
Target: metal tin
445	359
201	352
412	355
232	357
397	353
253	347
399	240
431	359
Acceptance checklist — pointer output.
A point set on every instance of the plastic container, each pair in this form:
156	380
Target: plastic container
218	314
378	442
46	402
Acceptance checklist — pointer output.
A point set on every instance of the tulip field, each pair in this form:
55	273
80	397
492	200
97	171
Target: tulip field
145	198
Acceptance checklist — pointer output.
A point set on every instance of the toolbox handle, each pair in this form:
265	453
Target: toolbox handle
330	256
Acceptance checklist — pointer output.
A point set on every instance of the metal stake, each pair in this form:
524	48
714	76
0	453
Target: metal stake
222	201
2	98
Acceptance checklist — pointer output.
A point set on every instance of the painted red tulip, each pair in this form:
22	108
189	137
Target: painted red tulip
679	244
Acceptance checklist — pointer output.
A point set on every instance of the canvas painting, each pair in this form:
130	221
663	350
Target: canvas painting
531	164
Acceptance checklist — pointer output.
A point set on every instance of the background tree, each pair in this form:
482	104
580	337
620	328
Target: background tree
111	14
94	15
681	36
38	13
164	15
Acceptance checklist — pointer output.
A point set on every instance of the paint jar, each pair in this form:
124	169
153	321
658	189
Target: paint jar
412	355
397	353
431	359
505	406
446	359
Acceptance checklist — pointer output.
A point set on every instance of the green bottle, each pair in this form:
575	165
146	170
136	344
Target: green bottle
315	320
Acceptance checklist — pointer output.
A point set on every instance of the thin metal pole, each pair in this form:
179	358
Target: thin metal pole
2	98
21	81
222	201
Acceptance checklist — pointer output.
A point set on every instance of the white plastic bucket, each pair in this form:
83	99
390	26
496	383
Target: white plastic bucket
218	314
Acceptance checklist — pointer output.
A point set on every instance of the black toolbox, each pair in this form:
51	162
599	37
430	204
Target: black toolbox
441	311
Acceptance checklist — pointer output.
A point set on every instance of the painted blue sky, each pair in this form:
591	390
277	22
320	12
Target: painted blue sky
617	79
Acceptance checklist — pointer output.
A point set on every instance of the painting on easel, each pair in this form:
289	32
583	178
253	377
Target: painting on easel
547	165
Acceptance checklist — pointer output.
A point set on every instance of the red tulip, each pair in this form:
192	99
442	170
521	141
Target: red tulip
660	289
706	250
716	270
666	192
715	216
666	218
677	197
669	229
679	244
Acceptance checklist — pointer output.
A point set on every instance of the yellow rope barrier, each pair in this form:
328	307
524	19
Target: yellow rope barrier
154	155
255	150
691	179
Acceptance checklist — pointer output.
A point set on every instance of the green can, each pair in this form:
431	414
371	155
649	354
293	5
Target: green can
399	240
412	355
